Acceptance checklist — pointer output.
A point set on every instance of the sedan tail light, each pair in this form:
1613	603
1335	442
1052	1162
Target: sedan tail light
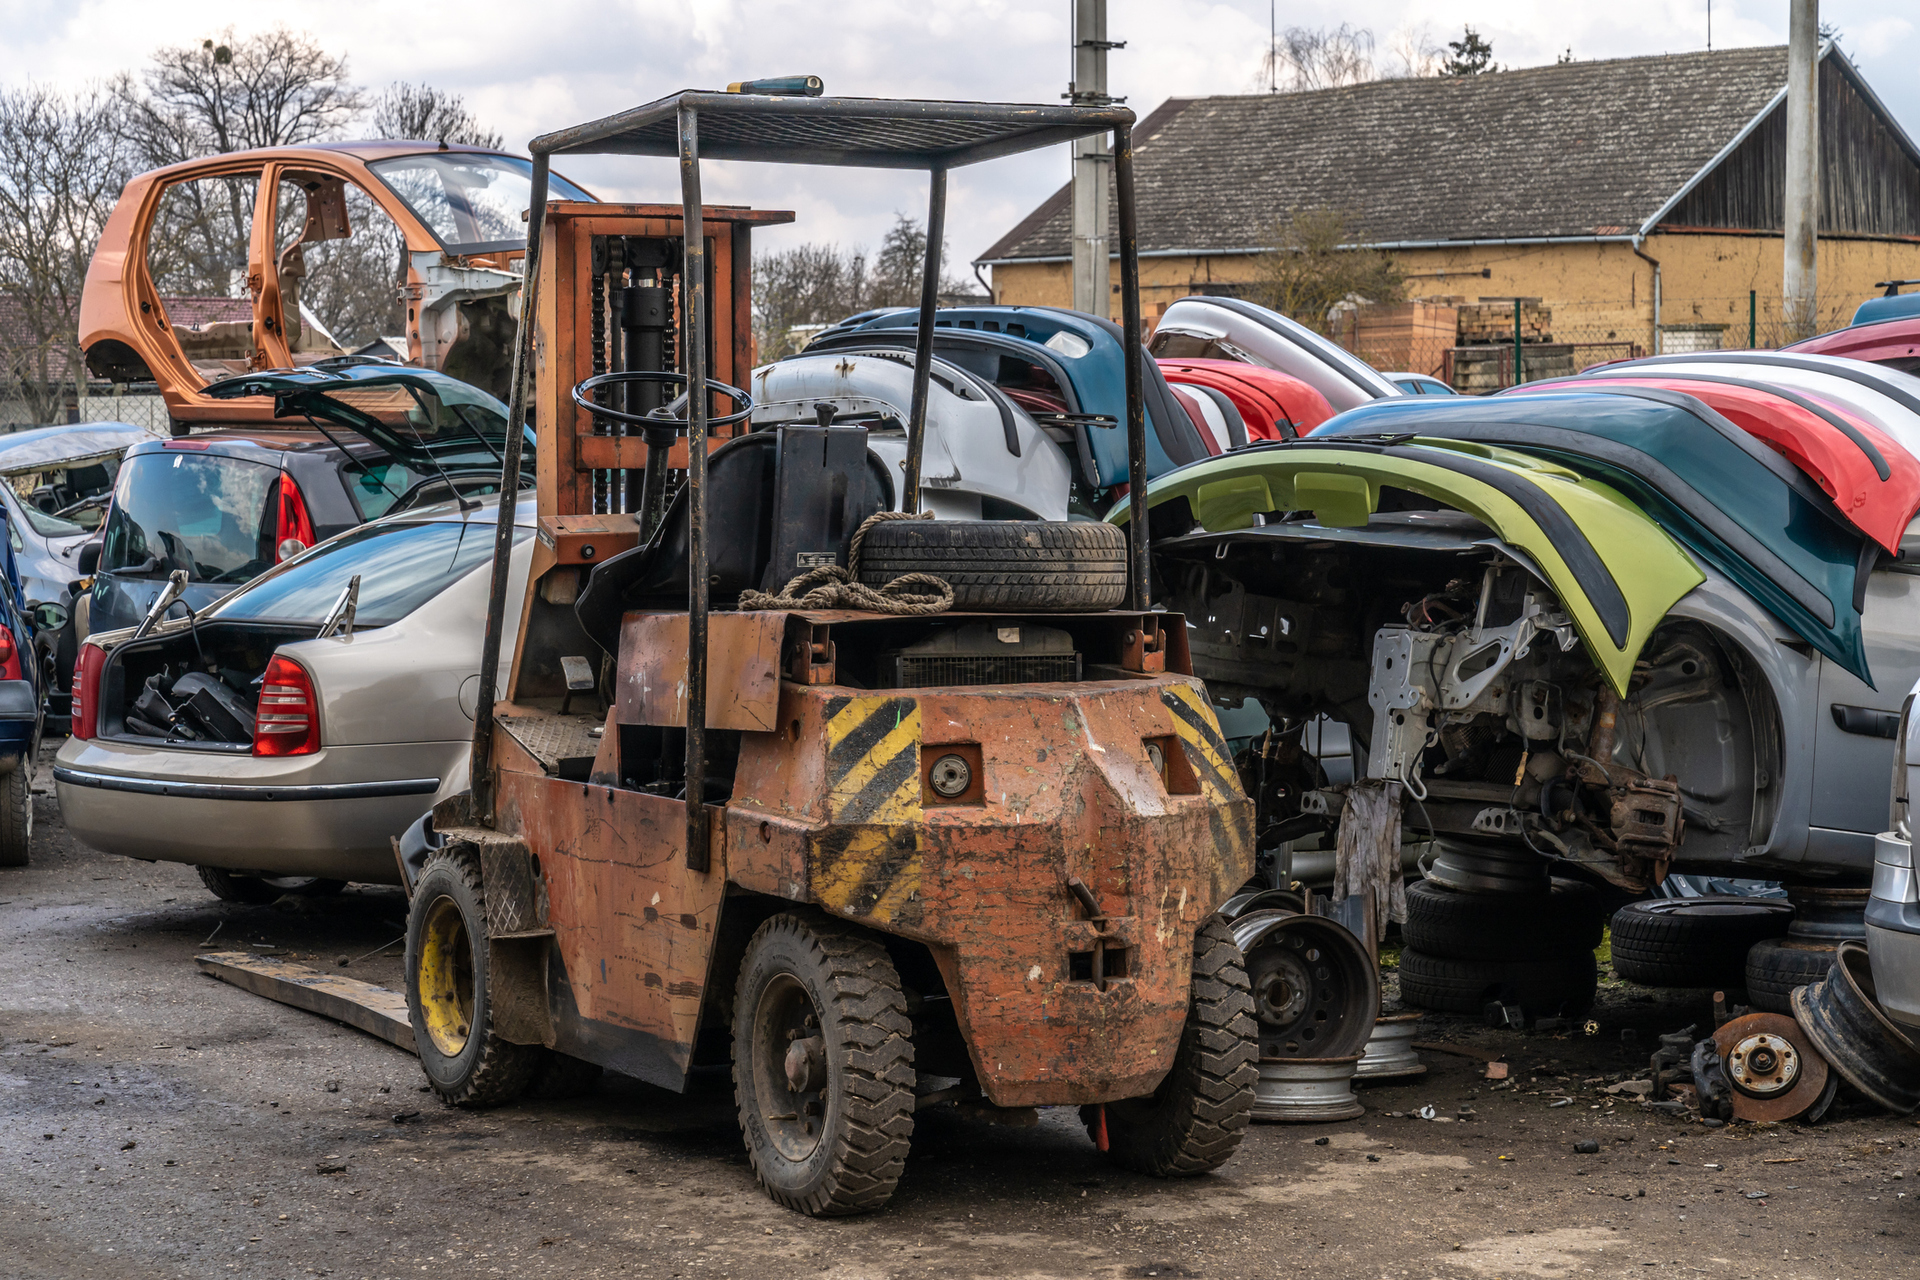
287	720
293	532
86	690
9	656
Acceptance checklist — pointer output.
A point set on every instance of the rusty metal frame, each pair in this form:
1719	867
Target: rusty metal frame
881	133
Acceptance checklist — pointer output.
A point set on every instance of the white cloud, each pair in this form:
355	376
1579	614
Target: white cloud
528	69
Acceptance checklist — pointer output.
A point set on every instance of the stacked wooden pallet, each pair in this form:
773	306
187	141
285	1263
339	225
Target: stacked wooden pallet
1492	321
1409	336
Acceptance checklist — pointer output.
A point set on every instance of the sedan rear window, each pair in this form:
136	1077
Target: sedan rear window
204	513
401	567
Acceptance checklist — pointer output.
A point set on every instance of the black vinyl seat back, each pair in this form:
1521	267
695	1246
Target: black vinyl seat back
775	499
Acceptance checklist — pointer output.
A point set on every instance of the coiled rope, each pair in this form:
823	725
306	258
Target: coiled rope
832	587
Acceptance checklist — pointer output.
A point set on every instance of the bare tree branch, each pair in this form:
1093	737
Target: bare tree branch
403	110
61	170
275	89
1319	58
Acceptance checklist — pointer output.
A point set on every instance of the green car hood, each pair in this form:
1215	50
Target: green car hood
1616	571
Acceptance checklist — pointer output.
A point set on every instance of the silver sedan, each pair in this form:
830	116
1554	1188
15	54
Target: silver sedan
289	732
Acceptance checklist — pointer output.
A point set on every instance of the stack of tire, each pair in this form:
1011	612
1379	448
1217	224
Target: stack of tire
1700	942
1822	920
1534	950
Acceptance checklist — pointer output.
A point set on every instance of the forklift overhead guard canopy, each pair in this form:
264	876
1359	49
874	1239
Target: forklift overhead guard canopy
878	133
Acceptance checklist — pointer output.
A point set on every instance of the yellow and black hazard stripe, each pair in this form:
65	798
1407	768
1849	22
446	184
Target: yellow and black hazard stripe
867	860
1207	751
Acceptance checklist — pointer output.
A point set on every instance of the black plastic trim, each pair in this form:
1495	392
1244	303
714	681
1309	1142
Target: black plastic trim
244	791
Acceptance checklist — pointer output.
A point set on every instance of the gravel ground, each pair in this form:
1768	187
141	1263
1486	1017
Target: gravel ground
156	1122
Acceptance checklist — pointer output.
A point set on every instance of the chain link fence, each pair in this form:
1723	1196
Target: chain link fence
1487	344
140	407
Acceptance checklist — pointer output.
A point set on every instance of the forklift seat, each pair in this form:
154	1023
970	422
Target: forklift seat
778	503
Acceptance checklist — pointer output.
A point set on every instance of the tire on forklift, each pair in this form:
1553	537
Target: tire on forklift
1193	1123
822	1065
1004	564
447	996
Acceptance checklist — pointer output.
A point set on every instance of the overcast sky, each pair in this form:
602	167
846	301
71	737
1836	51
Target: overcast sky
527	68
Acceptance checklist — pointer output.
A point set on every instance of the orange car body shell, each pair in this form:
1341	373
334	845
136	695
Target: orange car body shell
121	304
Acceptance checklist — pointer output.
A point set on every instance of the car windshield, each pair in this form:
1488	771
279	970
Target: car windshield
204	513
472	202
401	567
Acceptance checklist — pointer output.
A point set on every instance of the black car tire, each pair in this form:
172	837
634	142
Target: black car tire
835	1143
1450	925
257	891
1195	1120
1563	986
1777	966
16	816
448	998
1004	564
1694	942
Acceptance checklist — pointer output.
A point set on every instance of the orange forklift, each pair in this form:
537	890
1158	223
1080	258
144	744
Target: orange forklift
880	850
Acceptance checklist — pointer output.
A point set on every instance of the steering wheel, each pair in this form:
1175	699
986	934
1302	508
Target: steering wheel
659	417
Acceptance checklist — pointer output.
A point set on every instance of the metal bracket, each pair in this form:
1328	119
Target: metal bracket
811	660
1145	649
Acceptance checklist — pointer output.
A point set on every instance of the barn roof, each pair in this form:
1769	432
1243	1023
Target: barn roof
1578	149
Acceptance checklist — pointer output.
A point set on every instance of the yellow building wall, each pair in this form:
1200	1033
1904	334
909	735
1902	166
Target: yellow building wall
1600	293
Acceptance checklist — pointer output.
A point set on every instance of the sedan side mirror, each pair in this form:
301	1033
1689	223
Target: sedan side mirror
88	561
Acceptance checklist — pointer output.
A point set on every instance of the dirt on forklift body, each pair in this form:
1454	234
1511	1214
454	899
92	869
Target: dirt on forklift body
955	839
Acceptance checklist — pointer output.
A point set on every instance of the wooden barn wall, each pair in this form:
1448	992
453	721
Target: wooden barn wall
1869	184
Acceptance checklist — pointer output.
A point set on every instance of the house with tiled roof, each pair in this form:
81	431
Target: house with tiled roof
1638	201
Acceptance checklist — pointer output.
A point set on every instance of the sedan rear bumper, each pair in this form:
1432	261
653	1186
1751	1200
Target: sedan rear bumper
332	814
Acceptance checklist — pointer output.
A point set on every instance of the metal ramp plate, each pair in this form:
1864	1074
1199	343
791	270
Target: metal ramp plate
358	1004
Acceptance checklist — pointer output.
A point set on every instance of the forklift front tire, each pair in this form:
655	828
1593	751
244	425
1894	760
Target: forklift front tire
447	996
822	1065
1195	1120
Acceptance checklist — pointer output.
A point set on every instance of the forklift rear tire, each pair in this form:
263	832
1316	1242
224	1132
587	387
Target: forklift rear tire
16	816
447	996
1195	1120
822	1065
1004	564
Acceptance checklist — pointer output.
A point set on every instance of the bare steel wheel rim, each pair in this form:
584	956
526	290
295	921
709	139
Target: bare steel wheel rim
790	1068
445	977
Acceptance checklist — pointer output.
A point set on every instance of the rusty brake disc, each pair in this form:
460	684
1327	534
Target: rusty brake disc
1775	1071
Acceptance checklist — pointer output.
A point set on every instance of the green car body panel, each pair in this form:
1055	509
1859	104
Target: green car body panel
1616	571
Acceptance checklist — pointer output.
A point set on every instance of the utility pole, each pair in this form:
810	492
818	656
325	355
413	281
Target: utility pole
1803	169
1092	287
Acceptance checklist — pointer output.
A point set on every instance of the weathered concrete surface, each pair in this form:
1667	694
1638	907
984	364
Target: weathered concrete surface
109	1037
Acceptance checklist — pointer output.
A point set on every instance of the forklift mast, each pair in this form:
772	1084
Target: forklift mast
608	298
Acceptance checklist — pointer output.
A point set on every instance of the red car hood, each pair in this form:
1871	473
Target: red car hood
1871	477
1264	397
1891	342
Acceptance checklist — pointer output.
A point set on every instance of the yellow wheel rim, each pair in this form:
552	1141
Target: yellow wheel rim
445	977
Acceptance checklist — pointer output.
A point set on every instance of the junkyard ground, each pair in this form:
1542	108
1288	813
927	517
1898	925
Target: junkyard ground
156	1122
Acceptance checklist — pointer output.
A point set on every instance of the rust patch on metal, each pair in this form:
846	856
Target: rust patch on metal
1067	790
743	670
632	924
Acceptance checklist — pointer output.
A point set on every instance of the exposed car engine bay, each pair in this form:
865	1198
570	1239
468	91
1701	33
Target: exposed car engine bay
1461	677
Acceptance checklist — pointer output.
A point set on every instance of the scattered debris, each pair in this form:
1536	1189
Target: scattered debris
1586	1147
